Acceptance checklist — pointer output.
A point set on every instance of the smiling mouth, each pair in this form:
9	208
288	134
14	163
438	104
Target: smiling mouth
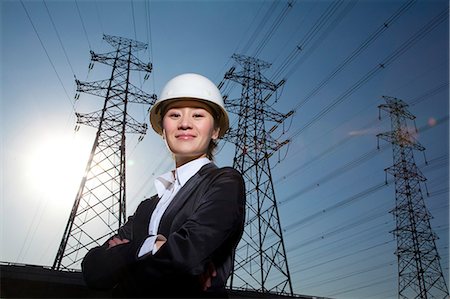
184	137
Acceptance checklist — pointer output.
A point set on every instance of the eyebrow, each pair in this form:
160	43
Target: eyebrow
193	108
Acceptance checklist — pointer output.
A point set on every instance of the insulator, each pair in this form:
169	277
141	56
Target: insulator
273	129
146	76
91	66
281	83
425	157
229	73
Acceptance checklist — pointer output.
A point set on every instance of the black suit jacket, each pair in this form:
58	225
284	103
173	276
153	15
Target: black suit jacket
203	224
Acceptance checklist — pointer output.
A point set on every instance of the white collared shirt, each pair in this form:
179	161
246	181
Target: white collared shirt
167	186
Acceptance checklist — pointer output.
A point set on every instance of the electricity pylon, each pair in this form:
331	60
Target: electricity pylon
260	260
100	203
419	269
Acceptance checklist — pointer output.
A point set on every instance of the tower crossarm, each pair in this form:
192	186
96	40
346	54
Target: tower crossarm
270	114
401	138
273	115
256	80
111	122
249	62
406	170
123	56
243	79
122	62
101	87
122	42
271	145
397	107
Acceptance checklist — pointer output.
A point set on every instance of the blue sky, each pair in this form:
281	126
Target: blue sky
336	247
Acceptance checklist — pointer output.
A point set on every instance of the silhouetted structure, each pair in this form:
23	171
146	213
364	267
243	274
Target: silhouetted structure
260	261
419	269
30	281
100	204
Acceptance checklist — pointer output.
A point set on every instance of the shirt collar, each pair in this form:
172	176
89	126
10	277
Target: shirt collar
181	174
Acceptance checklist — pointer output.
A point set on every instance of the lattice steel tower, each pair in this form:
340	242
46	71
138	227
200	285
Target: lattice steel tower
419	269
260	260
99	207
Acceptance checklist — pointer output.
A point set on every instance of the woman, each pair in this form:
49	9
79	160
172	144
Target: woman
180	242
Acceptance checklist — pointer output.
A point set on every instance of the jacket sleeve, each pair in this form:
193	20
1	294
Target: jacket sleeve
101	266
218	216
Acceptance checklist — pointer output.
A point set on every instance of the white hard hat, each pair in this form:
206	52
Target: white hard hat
190	87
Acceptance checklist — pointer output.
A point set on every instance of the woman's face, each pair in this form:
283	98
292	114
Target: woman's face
188	127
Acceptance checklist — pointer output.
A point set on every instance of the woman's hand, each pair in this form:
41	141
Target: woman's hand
160	240
116	241
207	276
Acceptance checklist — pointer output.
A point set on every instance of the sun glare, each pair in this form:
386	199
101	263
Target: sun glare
56	164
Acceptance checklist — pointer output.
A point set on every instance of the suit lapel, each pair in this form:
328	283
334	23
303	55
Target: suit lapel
184	194
142	220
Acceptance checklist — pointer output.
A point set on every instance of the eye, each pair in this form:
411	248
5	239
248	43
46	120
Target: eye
198	115
173	114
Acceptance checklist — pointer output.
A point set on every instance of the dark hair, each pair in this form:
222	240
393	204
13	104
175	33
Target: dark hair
211	149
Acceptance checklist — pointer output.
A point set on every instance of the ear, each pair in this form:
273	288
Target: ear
163	134
215	134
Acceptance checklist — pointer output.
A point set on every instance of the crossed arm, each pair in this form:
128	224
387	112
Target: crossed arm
205	278
187	250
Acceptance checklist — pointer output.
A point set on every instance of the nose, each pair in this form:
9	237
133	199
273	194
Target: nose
185	122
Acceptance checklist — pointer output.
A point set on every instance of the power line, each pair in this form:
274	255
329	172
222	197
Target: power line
351	274
59	38
426	95
323	19
134	19
82	24
338	205
48	56
437	20
359	50
330	27
261	25
370	233
439	162
99	16
335	250
336	172
373	283
269	34
277	22
346	255
441	87
149	38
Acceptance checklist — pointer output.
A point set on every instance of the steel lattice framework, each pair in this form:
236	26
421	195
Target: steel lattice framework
260	259
419	269
100	204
